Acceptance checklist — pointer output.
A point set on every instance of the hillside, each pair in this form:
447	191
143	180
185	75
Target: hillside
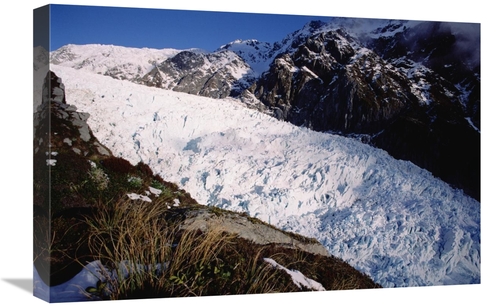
107	229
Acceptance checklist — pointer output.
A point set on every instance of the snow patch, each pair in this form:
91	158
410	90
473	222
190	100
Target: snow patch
135	196
156	192
298	278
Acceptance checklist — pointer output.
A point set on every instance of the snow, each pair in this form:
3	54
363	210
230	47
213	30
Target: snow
238	69
256	54
304	68
420	87
297	277
102	59
135	196
386	217
469	120
156	192
71	291
374	28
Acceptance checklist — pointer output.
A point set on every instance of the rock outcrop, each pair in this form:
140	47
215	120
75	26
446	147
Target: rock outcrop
250	229
215	75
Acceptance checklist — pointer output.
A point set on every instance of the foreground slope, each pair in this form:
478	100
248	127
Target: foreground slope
386	217
96	216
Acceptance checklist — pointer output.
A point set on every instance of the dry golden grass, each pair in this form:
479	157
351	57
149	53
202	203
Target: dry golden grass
129	238
143	254
146	252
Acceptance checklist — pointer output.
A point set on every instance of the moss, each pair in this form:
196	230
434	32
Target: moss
144	169
117	165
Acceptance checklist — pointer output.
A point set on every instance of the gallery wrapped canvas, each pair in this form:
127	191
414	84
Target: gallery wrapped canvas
194	153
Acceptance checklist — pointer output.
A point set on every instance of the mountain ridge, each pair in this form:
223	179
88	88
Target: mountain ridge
375	80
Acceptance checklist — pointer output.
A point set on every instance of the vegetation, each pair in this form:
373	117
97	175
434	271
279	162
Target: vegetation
144	251
158	260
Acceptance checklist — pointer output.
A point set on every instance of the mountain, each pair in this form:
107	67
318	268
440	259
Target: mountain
95	213
115	61
216	75
388	218
193	71
409	87
420	104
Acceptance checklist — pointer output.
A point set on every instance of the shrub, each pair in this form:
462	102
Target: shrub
144	169
134	182
117	165
99	177
158	185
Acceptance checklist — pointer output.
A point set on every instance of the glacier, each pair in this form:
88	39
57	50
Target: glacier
388	218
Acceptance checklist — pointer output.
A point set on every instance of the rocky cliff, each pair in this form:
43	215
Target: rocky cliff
215	75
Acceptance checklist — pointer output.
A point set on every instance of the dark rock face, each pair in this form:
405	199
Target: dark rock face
328	85
450	50
446	139
448	147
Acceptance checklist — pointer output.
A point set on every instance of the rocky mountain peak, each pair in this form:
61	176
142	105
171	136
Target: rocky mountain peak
216	75
187	60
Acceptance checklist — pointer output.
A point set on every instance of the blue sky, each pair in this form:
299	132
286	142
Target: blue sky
161	28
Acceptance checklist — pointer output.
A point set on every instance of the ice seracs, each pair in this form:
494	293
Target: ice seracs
386	217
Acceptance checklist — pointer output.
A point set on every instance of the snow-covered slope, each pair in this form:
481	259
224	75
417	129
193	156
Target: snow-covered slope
116	61
257	54
388	218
